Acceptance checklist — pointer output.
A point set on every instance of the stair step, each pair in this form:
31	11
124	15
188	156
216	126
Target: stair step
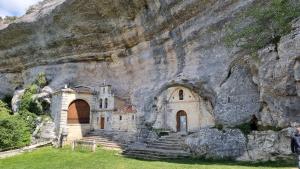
151	157
144	149
164	147
157	154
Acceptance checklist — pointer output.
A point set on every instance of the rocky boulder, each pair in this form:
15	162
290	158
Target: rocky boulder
268	145
15	102
217	144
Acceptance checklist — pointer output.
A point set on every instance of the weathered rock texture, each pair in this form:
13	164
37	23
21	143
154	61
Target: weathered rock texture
268	145
142	47
213	143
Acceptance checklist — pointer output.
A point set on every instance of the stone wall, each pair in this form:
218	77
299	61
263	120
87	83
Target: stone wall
199	114
60	104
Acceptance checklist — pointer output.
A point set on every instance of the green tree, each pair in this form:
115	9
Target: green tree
263	24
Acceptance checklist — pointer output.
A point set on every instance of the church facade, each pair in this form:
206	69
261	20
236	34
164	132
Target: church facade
78	110
82	109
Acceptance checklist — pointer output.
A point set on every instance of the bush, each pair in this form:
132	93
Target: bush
245	128
14	133
4	110
28	103
263	24
29	118
41	80
7	99
219	126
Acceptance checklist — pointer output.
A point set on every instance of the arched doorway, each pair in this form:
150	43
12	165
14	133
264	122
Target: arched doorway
79	112
181	119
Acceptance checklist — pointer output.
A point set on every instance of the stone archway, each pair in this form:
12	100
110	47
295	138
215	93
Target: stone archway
79	112
181	121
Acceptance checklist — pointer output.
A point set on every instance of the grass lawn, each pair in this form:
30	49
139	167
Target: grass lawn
50	158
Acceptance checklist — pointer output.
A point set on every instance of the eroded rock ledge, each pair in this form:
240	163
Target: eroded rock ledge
143	47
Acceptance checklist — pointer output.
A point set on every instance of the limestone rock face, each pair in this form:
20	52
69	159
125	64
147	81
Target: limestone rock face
15	102
268	145
213	143
279	81
143	47
238	99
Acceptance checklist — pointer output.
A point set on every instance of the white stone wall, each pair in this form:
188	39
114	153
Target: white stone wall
59	107
199	113
62	99
128	122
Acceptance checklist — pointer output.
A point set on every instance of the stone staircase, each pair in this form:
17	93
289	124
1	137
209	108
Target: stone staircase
166	147
104	139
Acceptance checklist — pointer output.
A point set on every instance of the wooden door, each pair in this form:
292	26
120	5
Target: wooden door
79	112
102	122
181	121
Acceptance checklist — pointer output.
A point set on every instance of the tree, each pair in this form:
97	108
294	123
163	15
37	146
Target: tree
263	24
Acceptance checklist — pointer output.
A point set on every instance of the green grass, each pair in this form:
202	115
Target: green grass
50	158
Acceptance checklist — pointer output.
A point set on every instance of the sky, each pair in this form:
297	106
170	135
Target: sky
15	7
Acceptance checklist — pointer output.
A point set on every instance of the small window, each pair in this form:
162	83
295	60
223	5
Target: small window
106	103
101	104
107	119
103	90
120	117
132	117
180	94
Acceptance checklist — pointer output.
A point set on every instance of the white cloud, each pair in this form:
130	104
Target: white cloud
15	7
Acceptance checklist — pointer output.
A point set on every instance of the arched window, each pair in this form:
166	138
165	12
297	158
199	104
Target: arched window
101	104
180	94
106	103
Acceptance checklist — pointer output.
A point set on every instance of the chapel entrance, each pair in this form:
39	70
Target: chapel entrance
79	112
102	121
181	119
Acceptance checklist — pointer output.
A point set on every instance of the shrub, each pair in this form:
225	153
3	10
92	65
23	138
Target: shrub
263	24
245	128
14	133
4	110
29	118
219	126
41	80
7	99
28	103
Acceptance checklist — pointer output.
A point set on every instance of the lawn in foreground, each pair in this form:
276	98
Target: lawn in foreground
50	158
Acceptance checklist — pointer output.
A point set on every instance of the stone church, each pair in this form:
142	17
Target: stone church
82	109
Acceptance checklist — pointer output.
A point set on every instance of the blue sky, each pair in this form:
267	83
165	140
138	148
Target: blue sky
15	7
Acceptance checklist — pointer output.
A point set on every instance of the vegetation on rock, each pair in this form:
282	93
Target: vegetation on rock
263	24
30	103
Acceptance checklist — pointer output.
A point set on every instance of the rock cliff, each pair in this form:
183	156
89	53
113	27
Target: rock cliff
141	47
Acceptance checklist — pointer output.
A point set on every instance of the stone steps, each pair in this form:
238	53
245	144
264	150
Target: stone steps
166	147
152	153
104	139
110	145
